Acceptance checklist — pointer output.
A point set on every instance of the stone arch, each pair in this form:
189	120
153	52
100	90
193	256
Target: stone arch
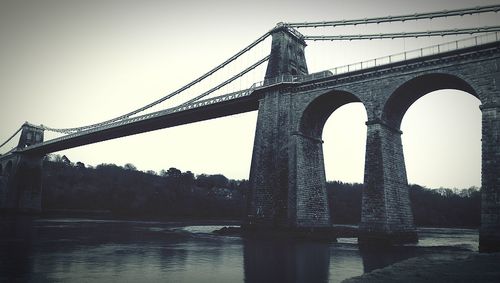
419	86
410	91
313	122
318	110
385	171
309	198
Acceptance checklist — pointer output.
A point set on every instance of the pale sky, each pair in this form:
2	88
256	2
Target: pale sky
72	63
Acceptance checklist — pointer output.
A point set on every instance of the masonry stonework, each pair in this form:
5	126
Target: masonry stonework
386	214
21	184
295	154
287	54
269	168
489	236
21	175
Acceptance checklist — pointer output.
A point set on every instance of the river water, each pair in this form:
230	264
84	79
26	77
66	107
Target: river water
34	249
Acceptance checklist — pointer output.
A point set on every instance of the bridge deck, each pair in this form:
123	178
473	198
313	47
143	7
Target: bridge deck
200	111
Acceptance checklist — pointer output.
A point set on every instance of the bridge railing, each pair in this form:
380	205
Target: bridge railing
399	57
417	53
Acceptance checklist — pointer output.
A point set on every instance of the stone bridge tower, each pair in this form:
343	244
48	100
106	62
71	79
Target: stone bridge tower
21	175
287	191
30	135
287	53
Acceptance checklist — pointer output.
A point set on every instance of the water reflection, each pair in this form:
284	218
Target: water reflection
345	261
16	248
285	260
84	250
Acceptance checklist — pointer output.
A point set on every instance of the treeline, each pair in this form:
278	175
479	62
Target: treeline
171	193
125	191
431	207
446	207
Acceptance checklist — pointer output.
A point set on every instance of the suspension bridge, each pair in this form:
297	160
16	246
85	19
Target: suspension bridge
287	177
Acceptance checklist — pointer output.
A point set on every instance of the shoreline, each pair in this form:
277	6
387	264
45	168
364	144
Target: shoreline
457	267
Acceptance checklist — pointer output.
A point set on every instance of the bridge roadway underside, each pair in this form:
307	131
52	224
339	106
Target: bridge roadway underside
207	112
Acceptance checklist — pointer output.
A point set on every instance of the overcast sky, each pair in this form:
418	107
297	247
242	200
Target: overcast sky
72	63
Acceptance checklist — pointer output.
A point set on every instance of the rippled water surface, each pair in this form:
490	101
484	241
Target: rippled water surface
89	250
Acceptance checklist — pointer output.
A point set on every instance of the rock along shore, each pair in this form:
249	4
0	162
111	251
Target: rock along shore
463	267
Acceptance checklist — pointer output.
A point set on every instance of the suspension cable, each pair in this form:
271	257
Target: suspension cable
231	59
11	137
227	81
402	18
404	34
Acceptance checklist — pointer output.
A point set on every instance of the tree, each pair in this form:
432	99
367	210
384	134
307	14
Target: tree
66	160
173	172
188	177
56	158
210	181
130	166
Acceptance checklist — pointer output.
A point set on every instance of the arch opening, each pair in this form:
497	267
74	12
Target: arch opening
344	136
442	140
409	92
339	119
319	110
1	170
440	117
